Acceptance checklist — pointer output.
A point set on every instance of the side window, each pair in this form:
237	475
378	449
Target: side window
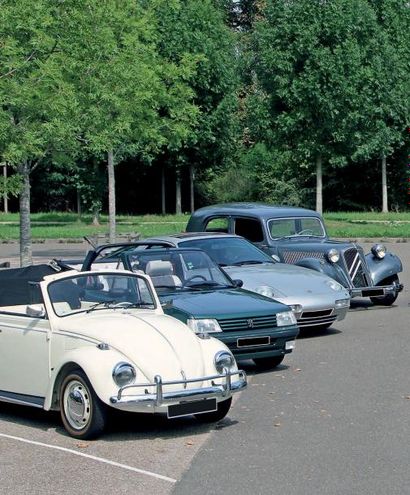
217	225
249	228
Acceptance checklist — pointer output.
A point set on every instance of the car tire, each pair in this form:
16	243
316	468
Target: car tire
220	413
83	414
388	299
269	362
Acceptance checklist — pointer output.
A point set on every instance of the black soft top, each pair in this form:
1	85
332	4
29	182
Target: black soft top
15	286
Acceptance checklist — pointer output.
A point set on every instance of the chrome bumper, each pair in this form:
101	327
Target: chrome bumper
376	290
158	399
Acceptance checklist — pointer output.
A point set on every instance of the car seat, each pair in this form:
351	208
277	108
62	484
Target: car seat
162	273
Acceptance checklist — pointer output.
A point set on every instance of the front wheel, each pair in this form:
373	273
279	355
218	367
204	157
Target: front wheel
82	412
388	299
220	413
269	362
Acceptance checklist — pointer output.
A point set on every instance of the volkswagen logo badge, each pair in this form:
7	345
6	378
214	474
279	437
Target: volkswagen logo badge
250	323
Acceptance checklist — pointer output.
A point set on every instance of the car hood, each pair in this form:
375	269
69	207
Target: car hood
156	344
222	303
286	280
312	245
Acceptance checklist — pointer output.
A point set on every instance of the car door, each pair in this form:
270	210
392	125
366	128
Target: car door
24	356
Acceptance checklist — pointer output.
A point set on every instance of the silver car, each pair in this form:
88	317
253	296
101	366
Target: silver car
316	299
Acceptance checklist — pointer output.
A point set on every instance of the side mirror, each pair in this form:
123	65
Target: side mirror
237	282
275	257
36	311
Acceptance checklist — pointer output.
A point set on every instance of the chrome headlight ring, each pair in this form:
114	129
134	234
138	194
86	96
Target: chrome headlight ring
333	255
379	251
124	374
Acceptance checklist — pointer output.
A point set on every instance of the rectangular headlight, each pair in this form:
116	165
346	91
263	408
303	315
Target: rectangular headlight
285	318
204	325
342	303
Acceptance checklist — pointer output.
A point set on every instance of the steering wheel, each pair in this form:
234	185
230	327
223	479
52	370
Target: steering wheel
305	231
193	278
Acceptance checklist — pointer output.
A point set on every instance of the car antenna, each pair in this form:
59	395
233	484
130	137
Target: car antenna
90	242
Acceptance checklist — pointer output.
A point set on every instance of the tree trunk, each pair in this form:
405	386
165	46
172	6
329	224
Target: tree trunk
5	198
163	205
385	207
111	196
191	187
78	204
178	208
25	225
319	188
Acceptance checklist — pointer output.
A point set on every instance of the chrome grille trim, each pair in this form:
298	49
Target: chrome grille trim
292	257
258	322
355	267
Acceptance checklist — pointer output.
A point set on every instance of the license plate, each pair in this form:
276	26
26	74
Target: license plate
193	407
373	292
253	342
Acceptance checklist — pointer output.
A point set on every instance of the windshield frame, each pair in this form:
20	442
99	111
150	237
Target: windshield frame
264	258
211	283
296	236
96	273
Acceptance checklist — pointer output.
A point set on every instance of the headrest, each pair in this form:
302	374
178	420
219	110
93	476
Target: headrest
158	268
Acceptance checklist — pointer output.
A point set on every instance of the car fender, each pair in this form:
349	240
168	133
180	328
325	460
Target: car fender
333	271
386	267
96	363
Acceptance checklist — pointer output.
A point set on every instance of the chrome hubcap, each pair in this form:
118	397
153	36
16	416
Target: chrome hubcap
77	405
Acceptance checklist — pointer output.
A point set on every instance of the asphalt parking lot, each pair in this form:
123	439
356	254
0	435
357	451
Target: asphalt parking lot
333	419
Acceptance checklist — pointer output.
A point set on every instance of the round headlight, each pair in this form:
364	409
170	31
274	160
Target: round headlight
333	255
379	251
223	359
124	374
265	290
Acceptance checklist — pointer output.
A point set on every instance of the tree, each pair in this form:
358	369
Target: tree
386	89
197	28
132	100
36	103
308	66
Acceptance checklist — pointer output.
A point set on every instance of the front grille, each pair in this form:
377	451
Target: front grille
256	322
292	257
316	318
355	267
316	314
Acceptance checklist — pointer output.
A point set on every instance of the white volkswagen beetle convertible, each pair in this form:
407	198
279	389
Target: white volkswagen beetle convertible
83	342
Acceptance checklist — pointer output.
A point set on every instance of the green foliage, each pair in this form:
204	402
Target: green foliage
11	185
196	28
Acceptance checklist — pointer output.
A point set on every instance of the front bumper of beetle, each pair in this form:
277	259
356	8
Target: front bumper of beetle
158	401
376	291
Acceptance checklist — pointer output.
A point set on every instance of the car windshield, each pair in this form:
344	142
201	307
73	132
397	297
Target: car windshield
295	227
228	251
178	270
89	292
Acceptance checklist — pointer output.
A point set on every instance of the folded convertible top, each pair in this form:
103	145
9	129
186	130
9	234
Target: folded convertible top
15	286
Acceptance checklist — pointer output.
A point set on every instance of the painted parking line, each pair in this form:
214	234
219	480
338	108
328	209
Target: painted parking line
92	457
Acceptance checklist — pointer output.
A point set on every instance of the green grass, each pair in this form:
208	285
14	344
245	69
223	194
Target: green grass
57	225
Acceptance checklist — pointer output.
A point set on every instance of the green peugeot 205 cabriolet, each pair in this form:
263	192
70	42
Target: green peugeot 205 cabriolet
194	289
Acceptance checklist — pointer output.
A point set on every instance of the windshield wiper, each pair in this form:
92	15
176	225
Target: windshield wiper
248	262
204	283
105	304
